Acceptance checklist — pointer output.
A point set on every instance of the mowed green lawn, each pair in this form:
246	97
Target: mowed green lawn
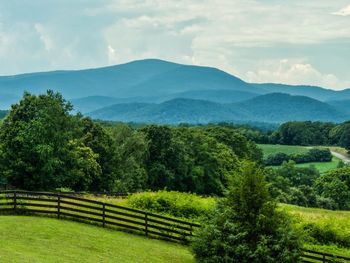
291	149
38	239
322	166
277	148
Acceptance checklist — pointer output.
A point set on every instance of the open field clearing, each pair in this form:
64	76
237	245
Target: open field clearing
322	166
269	149
278	148
38	239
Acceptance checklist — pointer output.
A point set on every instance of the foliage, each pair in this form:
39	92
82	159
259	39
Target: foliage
344	140
44	147
246	227
35	141
323	230
187	159
131	151
185	205
294	185
236	142
313	155
335	185
304	133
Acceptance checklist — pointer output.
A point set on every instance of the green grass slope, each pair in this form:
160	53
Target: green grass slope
322	167
278	148
335	222
38	239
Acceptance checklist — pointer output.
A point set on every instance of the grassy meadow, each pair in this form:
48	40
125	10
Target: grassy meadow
48	239
322	166
27	239
278	148
334	223
292	149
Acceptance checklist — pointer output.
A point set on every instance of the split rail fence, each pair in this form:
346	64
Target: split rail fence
78	208
73	207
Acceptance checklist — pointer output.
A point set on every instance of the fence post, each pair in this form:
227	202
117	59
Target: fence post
14	201
59	205
324	258
146	223
103	214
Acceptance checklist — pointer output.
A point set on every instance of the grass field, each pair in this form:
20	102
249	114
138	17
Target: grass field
277	148
291	149
38	239
337	221
322	166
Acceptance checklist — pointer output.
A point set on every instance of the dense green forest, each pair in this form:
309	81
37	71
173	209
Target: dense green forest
306	133
44	146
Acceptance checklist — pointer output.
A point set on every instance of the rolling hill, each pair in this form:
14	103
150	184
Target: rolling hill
174	111
134	79
341	105
156	90
40	239
280	107
272	108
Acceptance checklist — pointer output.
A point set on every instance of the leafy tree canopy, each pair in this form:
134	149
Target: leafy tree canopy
246	227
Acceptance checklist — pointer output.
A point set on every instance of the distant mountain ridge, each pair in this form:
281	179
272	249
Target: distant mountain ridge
153	85
270	108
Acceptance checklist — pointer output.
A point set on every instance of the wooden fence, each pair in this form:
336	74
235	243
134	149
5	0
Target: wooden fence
74	207
62	205
310	256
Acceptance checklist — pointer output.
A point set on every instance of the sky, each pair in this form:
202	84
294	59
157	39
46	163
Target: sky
286	41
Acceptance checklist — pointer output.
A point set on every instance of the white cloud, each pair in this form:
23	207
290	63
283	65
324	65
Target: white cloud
233	35
44	36
295	73
343	12
112	56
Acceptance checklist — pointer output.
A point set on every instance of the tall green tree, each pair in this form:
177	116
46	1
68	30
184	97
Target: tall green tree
335	185
344	140
40	149
130	155
246	227
100	141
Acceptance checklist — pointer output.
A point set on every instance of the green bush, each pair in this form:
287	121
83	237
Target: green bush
325	235
185	205
313	155
246	227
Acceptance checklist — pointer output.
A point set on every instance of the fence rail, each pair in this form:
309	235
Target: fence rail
75	207
79	208
310	256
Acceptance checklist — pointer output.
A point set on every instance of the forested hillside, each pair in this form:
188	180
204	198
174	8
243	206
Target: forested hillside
211	95
77	153
45	145
270	108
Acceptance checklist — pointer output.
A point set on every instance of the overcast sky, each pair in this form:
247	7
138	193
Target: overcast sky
286	41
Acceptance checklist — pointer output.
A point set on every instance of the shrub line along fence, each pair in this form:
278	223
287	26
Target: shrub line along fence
109	215
68	206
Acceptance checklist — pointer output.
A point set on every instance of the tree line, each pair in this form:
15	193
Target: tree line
306	133
43	146
305	186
